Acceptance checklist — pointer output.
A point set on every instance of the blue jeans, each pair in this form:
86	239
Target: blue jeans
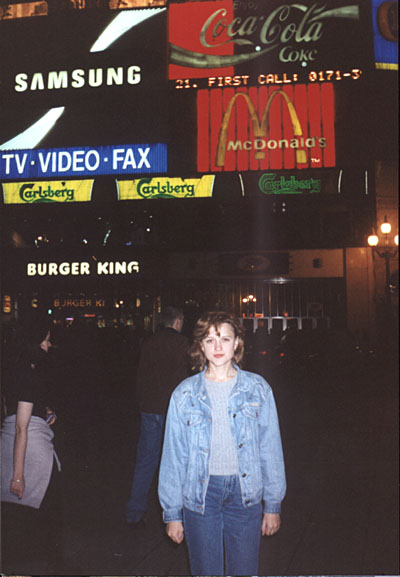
147	460
225	526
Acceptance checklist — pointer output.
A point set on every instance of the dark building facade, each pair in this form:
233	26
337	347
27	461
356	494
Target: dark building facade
216	155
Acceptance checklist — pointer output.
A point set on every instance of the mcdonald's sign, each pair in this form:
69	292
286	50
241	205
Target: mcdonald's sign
266	127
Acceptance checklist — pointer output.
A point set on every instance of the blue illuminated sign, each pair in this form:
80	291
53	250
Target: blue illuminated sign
122	159
386	33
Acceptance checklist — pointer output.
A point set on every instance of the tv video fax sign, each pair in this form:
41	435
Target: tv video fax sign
83	161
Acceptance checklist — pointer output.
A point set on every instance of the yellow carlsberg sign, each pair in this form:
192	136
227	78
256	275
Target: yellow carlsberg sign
50	191
166	188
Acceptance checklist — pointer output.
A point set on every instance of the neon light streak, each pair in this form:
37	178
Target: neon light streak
241	184
31	137
339	184
122	23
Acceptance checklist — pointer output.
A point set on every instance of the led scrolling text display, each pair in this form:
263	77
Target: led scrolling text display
285	78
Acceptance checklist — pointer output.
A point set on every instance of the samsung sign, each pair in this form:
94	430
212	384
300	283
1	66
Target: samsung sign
84	161
78	78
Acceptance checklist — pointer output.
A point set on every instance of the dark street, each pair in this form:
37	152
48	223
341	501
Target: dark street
233	159
339	431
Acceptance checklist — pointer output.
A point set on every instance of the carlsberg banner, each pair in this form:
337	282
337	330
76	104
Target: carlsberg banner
47	191
165	188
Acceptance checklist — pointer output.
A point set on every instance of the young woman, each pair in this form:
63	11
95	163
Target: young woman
27	451
222	475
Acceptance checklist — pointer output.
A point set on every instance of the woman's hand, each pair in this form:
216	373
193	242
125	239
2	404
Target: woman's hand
175	531
270	524
17	487
54	417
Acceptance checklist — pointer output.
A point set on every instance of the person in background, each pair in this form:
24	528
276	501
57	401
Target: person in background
30	502
222	476
163	363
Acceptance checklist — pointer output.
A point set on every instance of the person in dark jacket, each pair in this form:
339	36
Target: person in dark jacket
163	364
31	502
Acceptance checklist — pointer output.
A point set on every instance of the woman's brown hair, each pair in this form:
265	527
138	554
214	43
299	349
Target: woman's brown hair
202	329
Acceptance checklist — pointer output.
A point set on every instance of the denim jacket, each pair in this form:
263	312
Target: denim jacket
184	475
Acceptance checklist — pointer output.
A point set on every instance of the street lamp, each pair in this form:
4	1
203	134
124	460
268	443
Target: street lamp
247	301
387	252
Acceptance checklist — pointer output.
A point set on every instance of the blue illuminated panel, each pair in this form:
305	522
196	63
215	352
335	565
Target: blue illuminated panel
122	159
385	26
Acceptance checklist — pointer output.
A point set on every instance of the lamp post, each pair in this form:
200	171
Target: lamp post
386	252
247	301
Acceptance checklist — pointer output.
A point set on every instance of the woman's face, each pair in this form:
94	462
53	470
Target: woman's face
46	344
219	345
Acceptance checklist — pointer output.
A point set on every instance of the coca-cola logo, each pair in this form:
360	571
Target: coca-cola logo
291	30
277	28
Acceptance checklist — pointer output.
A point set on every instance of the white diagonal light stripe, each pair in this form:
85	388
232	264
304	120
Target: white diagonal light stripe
31	137
123	22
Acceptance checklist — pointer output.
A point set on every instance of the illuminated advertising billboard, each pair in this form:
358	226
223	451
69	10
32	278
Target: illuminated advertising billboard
227	37
277	87
350	183
151	188
279	183
119	159
25	9
385	20
126	4
49	192
81	268
92	86
263	128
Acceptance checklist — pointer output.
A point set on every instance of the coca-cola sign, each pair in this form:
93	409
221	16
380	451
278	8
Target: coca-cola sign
226	35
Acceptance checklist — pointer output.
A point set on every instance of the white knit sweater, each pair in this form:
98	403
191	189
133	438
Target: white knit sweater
223	455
